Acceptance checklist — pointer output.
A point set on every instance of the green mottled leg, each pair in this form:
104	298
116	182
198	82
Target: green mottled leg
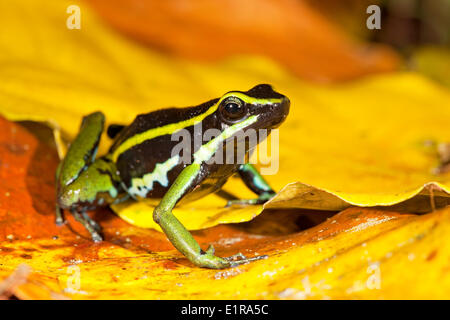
255	182
82	150
59	219
81	218
180	237
79	157
92	222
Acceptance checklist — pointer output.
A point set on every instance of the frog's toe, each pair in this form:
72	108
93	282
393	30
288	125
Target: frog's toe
260	200
242	202
239	259
96	237
236	256
210	250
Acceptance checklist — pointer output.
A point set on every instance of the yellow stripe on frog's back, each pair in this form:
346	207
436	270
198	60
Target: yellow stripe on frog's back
173	127
160	131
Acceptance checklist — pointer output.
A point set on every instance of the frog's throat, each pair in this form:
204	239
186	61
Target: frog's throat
173	127
206	151
141	186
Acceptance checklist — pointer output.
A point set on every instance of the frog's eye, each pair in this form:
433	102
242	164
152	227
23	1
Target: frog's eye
232	109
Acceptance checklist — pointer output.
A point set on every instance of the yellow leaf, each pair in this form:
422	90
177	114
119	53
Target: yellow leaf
361	143
369	142
201	214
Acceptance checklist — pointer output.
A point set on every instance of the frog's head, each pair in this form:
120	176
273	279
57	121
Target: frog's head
260	108
242	115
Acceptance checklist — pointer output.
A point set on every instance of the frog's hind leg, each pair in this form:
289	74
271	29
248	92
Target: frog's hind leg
91	221
83	149
60	219
255	182
90	225
79	157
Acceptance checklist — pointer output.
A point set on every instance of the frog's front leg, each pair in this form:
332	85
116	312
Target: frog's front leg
59	219
255	182
91	226
179	236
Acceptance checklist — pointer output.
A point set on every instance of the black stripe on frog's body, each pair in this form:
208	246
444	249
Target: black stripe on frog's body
143	150
157	119
145	158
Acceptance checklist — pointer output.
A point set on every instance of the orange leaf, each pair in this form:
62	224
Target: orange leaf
291	32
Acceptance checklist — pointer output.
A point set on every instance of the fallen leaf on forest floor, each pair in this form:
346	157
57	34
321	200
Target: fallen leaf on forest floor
362	143
358	253
290	32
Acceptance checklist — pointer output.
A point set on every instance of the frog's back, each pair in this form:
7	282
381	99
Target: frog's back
158	119
142	151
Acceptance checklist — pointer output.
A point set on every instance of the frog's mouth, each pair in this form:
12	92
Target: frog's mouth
273	115
277	122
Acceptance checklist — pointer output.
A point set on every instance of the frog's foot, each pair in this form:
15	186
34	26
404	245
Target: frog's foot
90	225
208	260
263	198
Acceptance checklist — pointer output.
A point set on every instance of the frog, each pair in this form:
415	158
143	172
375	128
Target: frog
141	165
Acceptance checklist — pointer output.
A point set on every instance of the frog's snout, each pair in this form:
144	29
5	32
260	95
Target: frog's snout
279	112
285	106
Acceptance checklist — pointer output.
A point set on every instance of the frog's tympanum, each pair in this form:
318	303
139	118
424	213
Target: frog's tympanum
141	163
